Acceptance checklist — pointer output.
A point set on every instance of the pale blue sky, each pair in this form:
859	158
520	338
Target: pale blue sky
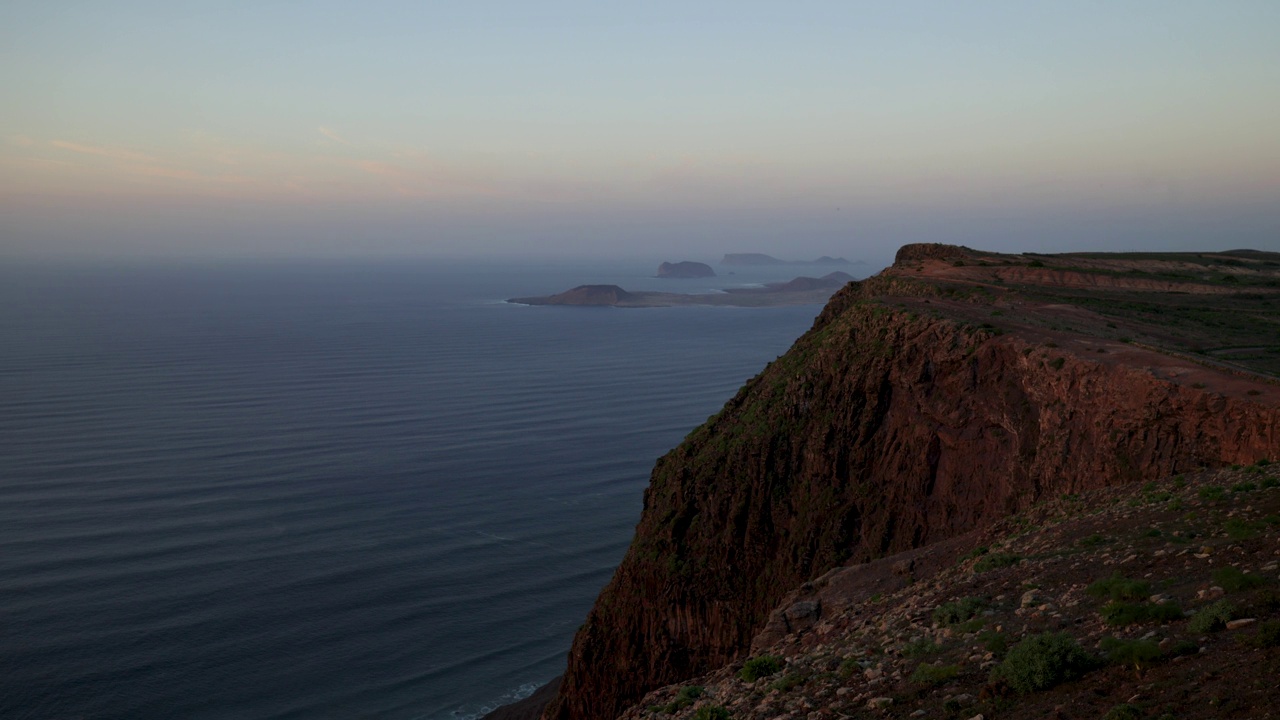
801	128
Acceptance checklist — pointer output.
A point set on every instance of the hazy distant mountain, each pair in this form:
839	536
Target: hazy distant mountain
762	259
686	269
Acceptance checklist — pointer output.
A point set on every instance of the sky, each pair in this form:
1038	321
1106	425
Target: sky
676	129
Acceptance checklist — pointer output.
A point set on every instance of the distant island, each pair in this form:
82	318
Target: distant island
799	291
762	259
685	269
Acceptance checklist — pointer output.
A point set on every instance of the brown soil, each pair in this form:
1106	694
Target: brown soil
868	639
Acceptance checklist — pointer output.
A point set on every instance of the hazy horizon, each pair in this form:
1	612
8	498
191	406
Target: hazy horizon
397	129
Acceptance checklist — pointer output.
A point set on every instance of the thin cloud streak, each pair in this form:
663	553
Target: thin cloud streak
332	135
108	152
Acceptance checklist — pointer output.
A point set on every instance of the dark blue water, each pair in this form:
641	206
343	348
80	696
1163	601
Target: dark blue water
328	490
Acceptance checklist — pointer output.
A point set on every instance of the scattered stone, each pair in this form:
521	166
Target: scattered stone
879	702
1242	622
1212	593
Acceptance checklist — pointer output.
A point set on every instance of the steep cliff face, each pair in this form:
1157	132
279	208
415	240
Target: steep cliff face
884	428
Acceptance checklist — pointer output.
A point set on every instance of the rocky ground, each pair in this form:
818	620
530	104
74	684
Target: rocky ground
1145	601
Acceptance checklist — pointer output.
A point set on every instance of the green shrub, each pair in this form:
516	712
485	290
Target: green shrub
1238	529
1212	493
1244	487
1057	363
1092	541
1138	653
934	674
711	712
849	667
1118	587
1126	613
1124	712
759	667
1268	635
995	561
958	611
1042	661
1233	579
687	695
1270	482
1184	647
921	647
994	642
787	682
1212	617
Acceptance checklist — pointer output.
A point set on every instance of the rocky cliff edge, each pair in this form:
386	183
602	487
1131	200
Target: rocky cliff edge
950	391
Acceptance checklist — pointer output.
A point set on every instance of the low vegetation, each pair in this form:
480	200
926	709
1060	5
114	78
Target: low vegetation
759	667
1043	661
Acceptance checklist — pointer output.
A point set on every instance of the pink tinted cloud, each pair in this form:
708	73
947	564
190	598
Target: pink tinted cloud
332	135
108	152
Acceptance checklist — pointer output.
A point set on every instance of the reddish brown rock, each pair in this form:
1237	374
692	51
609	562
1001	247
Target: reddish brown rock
881	430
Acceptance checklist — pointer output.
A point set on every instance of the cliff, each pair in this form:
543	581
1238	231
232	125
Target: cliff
930	401
1164	594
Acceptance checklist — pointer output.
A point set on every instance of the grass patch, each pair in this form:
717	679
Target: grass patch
759	667
934	674
1140	654
1092	541
788	682
1212	493
1118	587
1126	613
958	611
1124	711
1268	635
995	643
994	561
1238	529
1042	661
1212	617
686	697
1233	579
920	648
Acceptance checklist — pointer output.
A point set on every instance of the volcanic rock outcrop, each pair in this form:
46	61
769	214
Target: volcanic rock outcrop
927	402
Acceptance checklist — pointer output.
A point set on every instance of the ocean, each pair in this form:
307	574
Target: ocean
330	489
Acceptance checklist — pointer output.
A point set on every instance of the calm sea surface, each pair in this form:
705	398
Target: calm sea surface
329	490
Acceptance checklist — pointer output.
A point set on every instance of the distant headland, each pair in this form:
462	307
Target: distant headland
762	259
799	291
685	269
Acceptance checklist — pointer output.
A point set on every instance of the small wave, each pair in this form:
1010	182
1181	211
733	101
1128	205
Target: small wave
511	696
